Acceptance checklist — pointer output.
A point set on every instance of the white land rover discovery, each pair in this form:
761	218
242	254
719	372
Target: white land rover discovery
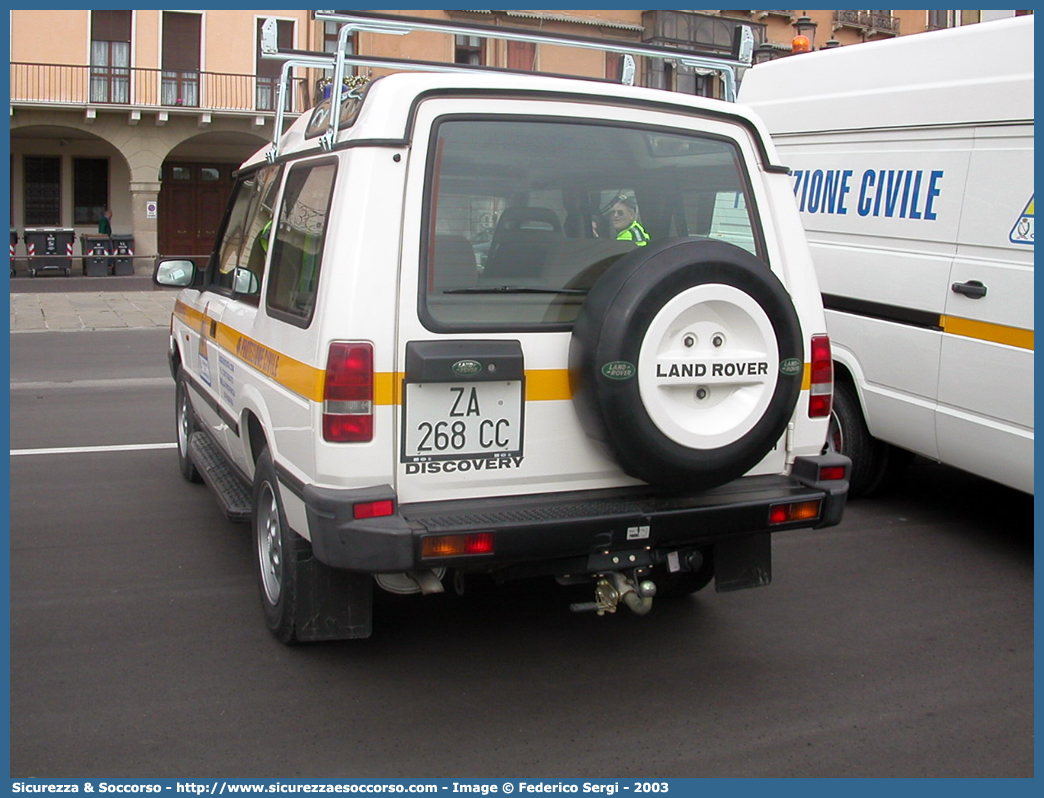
420	351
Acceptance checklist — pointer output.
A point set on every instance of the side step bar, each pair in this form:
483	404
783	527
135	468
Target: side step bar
232	491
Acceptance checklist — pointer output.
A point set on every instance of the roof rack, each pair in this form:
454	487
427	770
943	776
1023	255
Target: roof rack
390	24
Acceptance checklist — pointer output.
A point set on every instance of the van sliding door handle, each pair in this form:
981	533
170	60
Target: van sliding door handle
973	289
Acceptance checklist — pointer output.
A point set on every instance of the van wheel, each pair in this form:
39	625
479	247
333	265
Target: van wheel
278	550
185	421
876	465
686	362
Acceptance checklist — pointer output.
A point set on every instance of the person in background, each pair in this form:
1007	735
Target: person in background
105	223
624	218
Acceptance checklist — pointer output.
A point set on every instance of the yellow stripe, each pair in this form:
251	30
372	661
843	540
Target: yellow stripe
542	385
294	375
984	331
548	385
187	314
387	389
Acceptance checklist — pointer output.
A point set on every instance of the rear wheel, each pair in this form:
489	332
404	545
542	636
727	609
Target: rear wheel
185	420
277	548
303	600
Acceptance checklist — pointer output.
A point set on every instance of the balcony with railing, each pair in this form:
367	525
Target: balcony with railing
137	88
870	22
705	33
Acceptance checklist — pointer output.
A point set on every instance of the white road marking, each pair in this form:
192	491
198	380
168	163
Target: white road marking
130	447
131	382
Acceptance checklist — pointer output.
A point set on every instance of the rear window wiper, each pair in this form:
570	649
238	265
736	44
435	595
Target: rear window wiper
514	289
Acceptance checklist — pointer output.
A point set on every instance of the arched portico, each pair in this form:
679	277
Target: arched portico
137	149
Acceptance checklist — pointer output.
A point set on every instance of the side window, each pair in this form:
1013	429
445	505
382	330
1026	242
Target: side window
244	242
259	224
232	237
298	247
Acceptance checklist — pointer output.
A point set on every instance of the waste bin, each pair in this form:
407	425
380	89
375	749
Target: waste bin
14	242
123	251
49	249
95	249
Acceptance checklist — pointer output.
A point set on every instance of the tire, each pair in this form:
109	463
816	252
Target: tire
185	424
686	362
278	549
303	600
876	465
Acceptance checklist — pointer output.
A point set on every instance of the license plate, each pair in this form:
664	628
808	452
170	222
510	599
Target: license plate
452	421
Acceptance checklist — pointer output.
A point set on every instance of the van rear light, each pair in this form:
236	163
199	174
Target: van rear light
831	473
378	509
348	394
822	388
795	511
457	545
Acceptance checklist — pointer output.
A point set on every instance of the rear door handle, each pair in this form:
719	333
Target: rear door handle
972	289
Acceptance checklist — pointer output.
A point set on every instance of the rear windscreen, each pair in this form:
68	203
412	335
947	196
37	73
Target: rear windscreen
526	214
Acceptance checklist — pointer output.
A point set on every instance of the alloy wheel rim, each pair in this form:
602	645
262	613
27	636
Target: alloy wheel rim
269	544
183	426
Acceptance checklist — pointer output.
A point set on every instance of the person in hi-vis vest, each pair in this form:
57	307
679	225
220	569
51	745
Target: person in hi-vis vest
624	218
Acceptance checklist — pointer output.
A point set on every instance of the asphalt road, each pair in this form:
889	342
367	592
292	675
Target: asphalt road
898	644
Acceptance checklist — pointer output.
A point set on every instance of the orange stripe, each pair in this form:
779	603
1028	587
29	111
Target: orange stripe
984	331
548	385
542	385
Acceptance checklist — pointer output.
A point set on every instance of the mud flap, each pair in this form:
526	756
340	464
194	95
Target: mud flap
743	562
332	604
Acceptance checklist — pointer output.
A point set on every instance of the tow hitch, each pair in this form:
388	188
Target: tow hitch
613	588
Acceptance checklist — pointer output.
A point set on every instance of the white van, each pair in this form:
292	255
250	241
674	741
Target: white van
912	166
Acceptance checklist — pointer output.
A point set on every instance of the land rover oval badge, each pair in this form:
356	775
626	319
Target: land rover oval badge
790	366
466	368
619	370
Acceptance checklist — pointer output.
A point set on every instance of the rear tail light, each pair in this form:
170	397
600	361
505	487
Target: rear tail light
795	511
831	473
348	394
457	545
378	509
822	378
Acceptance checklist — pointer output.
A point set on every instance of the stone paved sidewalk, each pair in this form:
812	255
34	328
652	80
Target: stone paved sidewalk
91	310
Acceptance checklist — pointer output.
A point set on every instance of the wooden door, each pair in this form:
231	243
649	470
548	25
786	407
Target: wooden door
192	202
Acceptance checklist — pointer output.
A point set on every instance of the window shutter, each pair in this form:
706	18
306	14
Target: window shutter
111	26
181	42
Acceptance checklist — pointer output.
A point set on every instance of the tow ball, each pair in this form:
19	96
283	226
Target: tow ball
613	588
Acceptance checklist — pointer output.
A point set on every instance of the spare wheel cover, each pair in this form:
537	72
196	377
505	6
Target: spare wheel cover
686	361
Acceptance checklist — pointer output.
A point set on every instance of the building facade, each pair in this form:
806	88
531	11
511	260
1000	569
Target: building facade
148	113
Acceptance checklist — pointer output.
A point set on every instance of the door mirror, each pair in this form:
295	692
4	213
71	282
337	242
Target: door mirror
245	281
175	273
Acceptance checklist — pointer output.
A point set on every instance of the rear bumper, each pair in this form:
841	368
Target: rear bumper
541	529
